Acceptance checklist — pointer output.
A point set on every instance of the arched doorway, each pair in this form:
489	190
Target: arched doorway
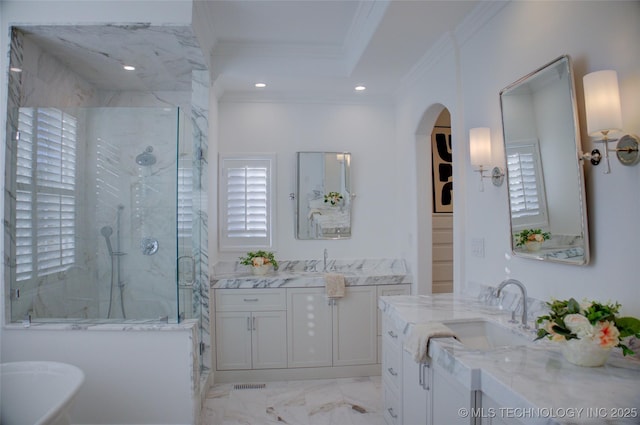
434	162
442	215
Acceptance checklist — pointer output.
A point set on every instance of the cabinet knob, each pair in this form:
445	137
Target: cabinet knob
392	372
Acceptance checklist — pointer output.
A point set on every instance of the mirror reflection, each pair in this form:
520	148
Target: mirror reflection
545	177
323	198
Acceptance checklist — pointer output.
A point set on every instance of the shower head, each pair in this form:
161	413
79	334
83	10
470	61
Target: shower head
146	158
106	231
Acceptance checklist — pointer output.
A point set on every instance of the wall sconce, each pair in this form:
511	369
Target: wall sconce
603	112
480	154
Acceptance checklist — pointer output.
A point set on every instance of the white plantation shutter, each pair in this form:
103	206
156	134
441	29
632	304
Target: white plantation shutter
46	202
526	186
246	194
185	202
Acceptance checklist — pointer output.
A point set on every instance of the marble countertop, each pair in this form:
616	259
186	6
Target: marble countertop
533	383
293	274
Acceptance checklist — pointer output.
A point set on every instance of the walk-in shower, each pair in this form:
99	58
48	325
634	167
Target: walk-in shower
102	213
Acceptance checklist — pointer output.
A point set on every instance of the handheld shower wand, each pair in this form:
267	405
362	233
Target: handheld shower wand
106	231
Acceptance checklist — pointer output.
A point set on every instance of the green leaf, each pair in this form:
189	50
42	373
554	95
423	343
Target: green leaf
573	306
628	326
541	334
626	350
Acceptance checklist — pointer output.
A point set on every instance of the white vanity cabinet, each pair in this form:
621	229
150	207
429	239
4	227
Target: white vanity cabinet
448	397
392	373
416	387
251	329
386	291
331	332
419	393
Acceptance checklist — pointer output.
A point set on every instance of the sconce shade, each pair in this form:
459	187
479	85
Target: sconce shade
602	102
480	146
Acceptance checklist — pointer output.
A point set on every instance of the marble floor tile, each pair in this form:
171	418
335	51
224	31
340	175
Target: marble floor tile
344	401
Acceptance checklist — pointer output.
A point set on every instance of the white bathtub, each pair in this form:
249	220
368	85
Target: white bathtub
38	393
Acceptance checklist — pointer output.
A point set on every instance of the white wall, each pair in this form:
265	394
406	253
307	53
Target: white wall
515	40
152	385
365	130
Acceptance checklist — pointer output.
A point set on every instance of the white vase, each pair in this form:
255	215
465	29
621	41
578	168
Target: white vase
584	352
261	270
533	246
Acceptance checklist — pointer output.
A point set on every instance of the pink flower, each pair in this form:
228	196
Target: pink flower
606	333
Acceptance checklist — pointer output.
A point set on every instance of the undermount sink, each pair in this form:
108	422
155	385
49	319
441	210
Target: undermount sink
486	335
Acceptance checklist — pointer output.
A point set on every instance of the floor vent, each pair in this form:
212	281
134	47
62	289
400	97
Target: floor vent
249	386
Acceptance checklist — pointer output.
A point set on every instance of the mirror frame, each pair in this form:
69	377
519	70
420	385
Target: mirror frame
556	254
299	198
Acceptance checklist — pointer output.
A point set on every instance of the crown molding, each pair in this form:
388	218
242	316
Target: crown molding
449	42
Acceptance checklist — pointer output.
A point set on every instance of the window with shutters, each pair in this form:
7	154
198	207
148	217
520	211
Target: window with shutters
45	195
246	208
185	201
526	186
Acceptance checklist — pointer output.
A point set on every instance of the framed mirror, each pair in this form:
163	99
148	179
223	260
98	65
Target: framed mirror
323	195
545	178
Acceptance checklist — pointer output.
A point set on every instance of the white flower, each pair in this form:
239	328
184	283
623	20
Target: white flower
579	325
257	261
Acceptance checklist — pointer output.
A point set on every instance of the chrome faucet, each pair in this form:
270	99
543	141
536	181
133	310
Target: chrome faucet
524	297
326	256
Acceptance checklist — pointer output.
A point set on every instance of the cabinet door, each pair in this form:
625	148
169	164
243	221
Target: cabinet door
309	328
233	340
269	339
416	383
448	397
355	334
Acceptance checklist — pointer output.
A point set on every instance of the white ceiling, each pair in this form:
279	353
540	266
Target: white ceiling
299	48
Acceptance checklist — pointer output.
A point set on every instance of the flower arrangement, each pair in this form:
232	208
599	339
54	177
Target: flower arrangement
333	197
568	319
259	258
531	235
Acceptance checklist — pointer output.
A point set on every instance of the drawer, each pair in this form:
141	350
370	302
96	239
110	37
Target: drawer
250	299
392	366
392	409
390	334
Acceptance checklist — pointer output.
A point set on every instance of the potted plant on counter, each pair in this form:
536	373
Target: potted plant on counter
333	198
588	330
261	262
531	239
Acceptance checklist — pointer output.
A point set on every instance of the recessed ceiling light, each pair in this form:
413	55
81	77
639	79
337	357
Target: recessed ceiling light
360	88
129	68
260	85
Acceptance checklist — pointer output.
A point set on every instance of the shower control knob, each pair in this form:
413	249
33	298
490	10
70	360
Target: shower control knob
149	246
